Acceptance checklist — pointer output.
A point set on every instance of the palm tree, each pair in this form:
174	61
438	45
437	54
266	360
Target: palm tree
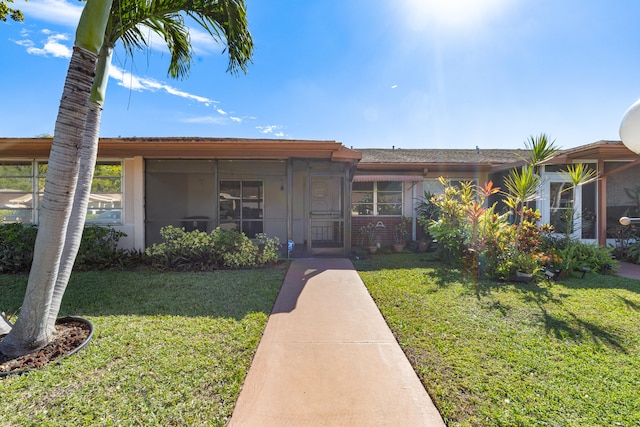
125	24
225	18
30	331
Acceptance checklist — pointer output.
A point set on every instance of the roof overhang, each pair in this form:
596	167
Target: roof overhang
426	169
192	148
601	150
387	178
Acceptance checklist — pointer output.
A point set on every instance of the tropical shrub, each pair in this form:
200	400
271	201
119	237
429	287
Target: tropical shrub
632	252
201	251
182	250
450	227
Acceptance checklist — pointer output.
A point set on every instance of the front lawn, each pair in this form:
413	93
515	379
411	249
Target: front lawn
512	354
168	349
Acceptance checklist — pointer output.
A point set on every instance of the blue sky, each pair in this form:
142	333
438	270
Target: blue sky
374	73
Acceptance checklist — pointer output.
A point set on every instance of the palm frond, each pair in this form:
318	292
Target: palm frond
225	21
522	184
579	174
540	149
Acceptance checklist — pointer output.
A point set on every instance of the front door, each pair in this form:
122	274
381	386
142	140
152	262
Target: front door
326	216
561	205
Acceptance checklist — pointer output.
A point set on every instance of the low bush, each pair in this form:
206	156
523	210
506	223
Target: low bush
16	247
98	248
572	254
200	251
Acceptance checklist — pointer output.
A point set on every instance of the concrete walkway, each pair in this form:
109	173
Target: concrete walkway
328	358
629	270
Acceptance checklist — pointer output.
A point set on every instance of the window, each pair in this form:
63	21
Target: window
242	206
16	192
105	200
377	198
20	181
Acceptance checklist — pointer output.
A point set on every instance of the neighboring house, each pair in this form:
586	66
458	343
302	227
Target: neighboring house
401	176
316	194
598	205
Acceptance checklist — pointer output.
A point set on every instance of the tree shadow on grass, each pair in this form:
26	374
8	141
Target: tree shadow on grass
541	295
575	328
227	294
631	305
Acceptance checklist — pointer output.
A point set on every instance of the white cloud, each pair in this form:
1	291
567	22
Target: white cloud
52	46
53	11
213	120
272	130
140	84
202	42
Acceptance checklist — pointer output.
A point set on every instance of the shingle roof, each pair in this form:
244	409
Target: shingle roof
448	156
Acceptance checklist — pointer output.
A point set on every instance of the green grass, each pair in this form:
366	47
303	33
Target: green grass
168	349
505	354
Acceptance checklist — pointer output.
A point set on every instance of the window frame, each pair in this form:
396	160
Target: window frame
376	203
38	177
242	222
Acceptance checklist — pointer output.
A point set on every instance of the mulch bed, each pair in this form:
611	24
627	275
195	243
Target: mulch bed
70	335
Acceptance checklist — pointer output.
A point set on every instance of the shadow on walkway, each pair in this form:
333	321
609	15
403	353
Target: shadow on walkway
328	358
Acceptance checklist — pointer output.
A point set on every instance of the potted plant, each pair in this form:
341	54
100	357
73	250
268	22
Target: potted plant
425	242
526	265
427	212
368	236
400	233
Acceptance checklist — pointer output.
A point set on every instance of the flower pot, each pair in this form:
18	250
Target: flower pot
423	246
372	249
523	277
399	246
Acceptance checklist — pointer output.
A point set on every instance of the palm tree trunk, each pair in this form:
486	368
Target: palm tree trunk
30	331
75	227
88	155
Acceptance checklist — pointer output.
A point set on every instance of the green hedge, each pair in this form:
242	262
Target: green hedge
98	248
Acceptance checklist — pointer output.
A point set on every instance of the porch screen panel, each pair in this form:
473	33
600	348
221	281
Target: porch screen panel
105	200
589	209
16	192
180	193
561	207
623	195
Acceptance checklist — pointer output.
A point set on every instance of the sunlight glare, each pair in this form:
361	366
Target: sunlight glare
451	14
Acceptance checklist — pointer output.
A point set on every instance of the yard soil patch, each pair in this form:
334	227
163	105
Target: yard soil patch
71	334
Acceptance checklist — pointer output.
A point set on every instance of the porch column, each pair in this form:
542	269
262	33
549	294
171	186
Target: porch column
289	200
602	205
